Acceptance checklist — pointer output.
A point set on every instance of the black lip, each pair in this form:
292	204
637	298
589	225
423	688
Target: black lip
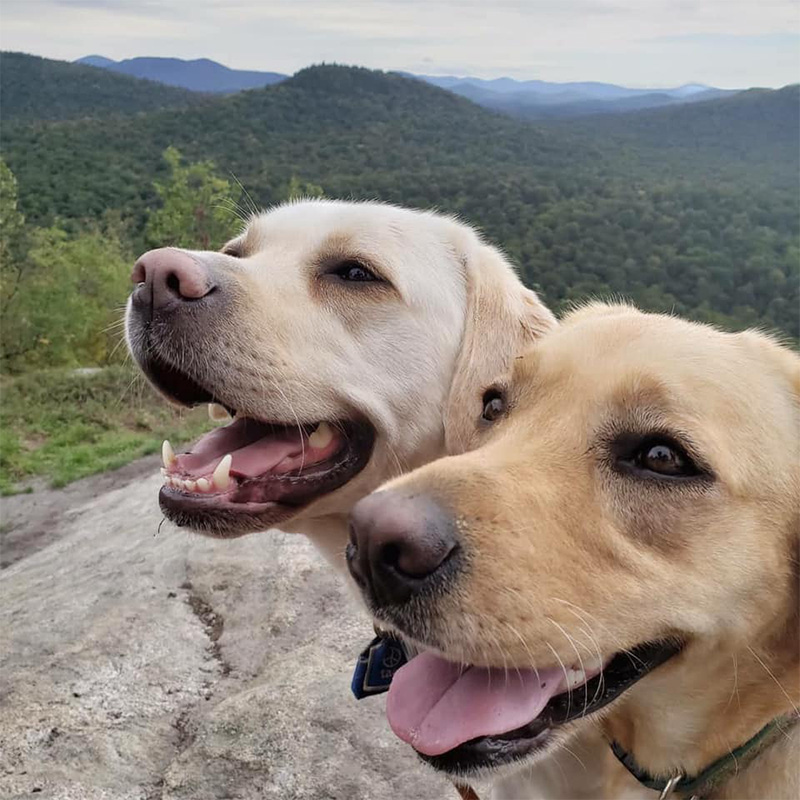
225	518
173	382
488	752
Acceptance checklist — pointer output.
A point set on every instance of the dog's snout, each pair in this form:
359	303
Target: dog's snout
167	276
399	545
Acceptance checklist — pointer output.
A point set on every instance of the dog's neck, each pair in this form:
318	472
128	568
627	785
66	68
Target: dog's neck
328	534
682	719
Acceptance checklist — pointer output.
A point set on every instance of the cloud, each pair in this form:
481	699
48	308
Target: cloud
655	42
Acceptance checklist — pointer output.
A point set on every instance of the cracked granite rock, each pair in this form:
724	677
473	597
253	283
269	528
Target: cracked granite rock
136	666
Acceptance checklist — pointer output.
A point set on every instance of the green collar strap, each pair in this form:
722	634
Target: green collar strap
716	773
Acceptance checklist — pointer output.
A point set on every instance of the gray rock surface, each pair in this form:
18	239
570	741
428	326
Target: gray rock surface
136	666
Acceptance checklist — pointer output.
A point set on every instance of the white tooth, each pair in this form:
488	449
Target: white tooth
575	677
593	665
321	437
222	474
168	454
203	485
217	413
163	472
189	486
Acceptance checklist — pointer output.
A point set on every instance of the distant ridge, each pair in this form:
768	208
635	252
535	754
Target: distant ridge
529	99
35	88
95	61
575	89
535	99
198	75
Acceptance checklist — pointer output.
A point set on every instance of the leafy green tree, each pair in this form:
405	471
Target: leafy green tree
298	189
11	235
69	294
198	208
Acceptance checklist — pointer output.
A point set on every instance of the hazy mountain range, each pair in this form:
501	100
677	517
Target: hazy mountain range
532	99
535	99
199	75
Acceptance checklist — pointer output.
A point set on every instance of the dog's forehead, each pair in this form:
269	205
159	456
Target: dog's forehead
661	372
651	353
311	226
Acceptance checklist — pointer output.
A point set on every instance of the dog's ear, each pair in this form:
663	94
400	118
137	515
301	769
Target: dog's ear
784	362
503	317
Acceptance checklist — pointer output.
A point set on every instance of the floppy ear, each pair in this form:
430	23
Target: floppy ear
503	317
784	361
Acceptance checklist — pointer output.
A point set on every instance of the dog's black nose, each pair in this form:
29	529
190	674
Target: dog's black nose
169	276
399	545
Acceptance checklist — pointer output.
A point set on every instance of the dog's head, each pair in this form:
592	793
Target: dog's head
636	506
349	341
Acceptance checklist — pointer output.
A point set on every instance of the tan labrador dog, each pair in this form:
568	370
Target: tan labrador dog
621	553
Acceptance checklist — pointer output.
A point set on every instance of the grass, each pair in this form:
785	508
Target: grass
61	425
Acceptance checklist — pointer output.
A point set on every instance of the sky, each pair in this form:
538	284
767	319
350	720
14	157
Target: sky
659	43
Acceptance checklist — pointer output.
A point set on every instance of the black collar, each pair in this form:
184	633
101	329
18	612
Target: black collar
701	785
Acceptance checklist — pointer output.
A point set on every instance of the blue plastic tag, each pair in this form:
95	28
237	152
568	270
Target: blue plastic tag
377	665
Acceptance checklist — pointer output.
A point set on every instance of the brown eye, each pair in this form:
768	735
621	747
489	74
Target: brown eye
494	405
655	456
354	272
663	459
232	250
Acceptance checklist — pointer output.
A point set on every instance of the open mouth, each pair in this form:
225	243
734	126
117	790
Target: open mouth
463	720
251	473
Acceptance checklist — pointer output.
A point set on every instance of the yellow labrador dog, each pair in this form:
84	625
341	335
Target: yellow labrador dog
621	553
349	342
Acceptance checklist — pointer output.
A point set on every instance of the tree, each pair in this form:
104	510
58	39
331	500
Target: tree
298	189
71	290
11	236
198	208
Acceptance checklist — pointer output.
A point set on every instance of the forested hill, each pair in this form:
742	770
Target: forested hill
759	127
353	130
697	226
33	88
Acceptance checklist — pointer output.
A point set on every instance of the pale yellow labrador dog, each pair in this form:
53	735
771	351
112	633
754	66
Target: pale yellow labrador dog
350	342
621	554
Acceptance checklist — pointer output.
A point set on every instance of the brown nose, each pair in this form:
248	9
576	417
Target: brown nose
167	276
400	545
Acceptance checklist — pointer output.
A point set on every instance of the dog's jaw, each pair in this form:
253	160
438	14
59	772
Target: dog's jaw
726	702
574	769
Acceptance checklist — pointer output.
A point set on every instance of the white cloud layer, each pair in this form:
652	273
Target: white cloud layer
728	43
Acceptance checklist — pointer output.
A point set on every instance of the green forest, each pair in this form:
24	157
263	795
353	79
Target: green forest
691	209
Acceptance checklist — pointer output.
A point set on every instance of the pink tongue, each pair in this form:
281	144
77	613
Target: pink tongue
256	449
435	705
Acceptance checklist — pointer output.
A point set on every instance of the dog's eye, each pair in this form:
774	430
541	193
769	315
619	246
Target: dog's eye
664	459
494	405
353	271
232	250
658	457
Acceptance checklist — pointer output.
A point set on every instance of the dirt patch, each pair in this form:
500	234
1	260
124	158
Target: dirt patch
213	624
32	521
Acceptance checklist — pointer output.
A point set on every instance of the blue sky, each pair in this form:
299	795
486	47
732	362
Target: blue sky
728	43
